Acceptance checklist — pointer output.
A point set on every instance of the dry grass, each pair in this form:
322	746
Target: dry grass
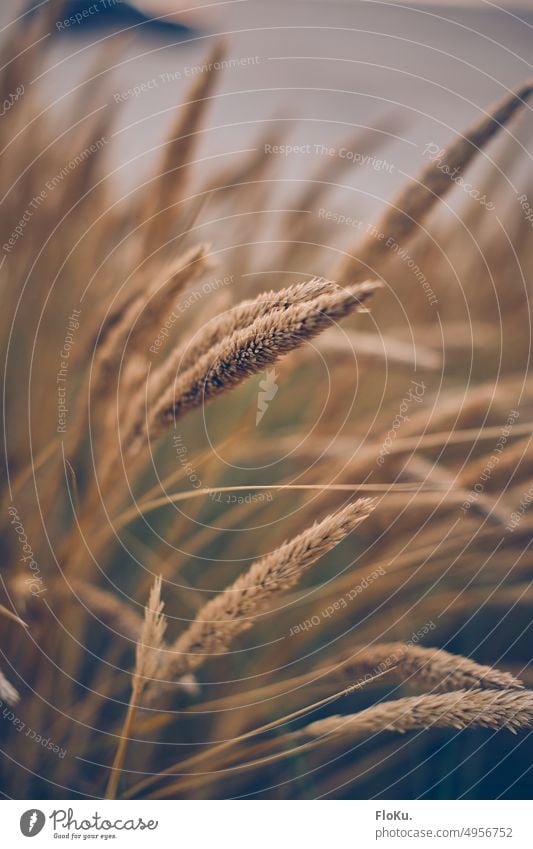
430	668
414	203
233	611
163	466
147	660
7	691
246	352
464	709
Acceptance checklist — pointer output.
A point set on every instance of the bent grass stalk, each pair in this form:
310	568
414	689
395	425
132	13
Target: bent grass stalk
493	709
240	355
218	749
231	612
402	219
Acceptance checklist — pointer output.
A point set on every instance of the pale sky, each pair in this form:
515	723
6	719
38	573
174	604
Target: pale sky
158	7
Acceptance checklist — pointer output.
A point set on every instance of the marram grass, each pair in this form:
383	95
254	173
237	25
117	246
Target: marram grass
179	569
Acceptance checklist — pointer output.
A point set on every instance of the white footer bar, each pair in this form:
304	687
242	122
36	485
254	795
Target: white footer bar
267	824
